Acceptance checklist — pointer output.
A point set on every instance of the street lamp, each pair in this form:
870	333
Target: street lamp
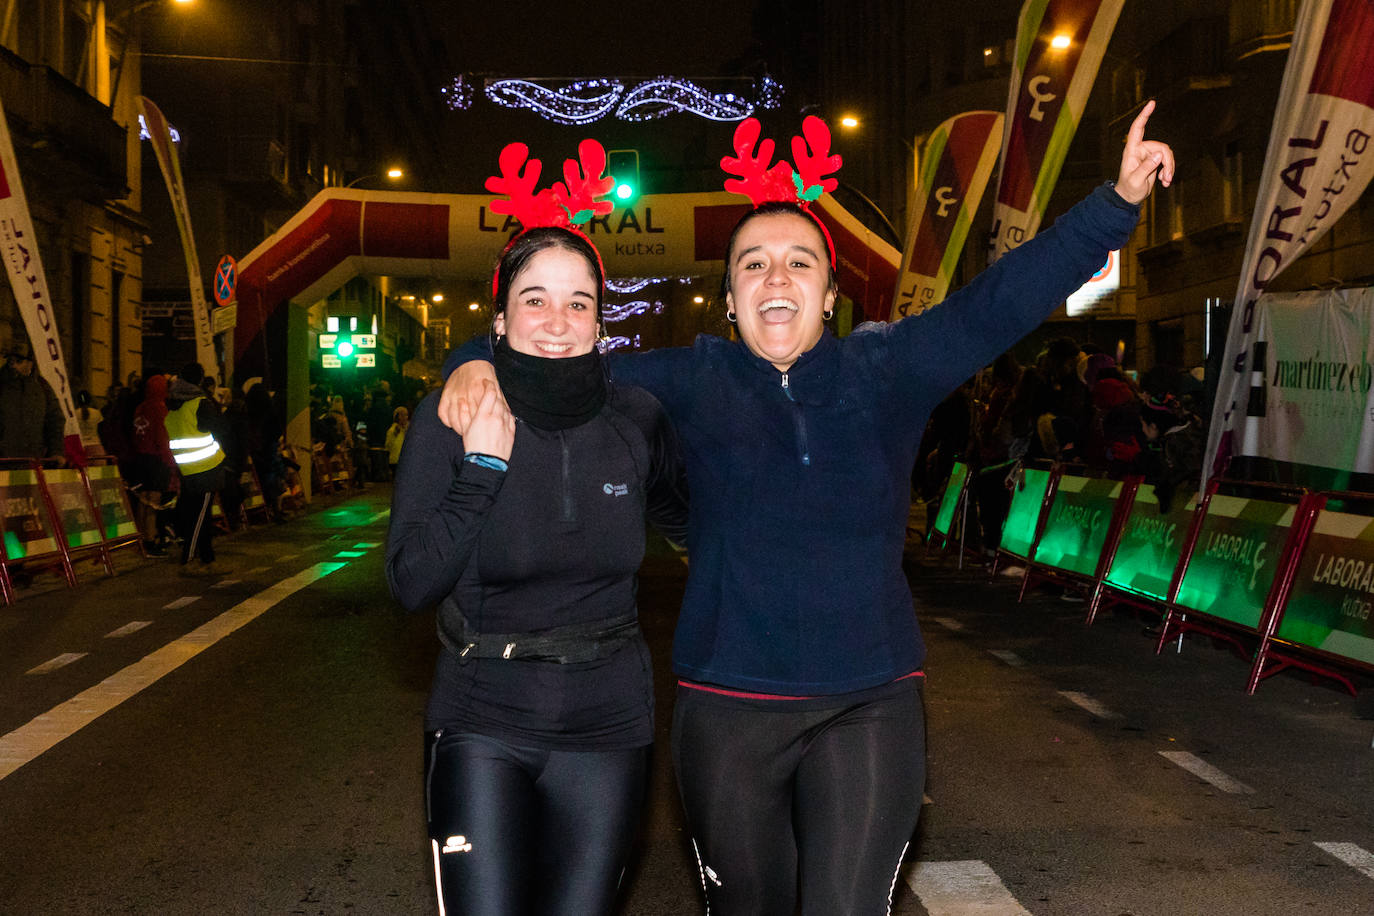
392	174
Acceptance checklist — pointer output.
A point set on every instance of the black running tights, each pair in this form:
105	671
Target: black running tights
519	831
788	806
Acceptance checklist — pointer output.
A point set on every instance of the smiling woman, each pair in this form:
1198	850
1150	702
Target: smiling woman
798	728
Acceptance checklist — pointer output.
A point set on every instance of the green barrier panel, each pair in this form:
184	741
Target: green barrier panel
68	492
1151	545
1329	607
1236	558
1018	531
28	529
949	500
1076	528
107	489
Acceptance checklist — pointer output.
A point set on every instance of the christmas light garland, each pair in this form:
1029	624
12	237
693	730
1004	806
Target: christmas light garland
612	312
578	103
628	285
585	101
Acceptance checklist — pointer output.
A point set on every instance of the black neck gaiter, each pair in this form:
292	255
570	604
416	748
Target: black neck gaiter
550	393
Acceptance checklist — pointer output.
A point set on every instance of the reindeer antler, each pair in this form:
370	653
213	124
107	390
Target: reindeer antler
756	180
517	181
585	183
812	166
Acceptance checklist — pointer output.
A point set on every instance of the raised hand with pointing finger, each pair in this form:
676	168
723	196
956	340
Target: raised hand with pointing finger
1142	161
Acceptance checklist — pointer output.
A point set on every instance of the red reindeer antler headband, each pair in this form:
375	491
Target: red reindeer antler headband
567	204
764	184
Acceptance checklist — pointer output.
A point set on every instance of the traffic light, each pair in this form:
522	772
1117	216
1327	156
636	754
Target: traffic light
348	350
623	166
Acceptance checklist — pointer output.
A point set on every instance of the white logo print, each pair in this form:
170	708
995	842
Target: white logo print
711	873
457	844
615	489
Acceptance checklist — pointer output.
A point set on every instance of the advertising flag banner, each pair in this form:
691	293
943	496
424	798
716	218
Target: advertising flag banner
958	161
1059	46
1318	163
167	159
25	268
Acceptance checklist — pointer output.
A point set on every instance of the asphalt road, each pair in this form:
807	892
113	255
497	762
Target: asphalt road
251	744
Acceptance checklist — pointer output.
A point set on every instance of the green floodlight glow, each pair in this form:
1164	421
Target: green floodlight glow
624	192
344	349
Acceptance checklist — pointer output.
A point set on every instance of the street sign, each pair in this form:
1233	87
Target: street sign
224	318
327	341
226	278
367	361
365	341
330	361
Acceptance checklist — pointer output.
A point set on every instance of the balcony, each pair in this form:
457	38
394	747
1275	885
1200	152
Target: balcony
1260	26
63	132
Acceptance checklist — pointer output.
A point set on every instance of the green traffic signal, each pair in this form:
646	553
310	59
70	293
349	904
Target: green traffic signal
623	166
344	349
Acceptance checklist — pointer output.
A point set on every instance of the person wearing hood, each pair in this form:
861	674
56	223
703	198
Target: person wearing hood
154	470
191	423
31	423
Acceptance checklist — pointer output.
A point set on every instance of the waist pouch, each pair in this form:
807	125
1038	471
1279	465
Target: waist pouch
577	642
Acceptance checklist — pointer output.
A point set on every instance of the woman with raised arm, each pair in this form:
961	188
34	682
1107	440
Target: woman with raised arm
527	533
798	731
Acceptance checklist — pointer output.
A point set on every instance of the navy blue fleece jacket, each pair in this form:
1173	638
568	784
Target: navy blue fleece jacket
800	480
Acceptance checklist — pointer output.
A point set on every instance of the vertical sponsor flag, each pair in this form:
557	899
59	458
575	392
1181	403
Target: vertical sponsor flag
170	163
30	285
1059	46
958	161
1319	162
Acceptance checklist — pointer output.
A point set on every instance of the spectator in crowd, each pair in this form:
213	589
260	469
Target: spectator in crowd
263	444
1070	409
396	437
191	422
153	470
379	420
994	439
31	423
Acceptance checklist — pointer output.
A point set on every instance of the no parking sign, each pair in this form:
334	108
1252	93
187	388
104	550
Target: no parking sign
226	278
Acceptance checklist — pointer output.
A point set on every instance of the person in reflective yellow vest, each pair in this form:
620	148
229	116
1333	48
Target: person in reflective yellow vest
192	425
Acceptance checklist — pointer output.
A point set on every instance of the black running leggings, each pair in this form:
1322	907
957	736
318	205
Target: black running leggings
518	831
813	805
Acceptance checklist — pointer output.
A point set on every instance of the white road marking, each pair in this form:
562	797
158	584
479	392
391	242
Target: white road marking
287	556
225	583
45	731
949	623
256	570
385	513
132	626
365	546
180	603
1206	772
1352	855
1088	703
1006	655
60	661
968	888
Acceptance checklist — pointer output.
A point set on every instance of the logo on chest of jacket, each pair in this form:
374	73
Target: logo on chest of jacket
616	489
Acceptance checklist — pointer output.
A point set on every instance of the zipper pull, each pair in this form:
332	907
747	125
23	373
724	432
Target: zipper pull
784	380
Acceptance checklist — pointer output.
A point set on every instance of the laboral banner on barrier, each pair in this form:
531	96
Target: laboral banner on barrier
954	173
1312	398
160	134
1059	46
1318	163
19	246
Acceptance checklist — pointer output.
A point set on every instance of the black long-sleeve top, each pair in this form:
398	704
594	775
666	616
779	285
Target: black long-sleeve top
554	540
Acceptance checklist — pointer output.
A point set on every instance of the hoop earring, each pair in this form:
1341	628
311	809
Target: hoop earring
730	316
827	314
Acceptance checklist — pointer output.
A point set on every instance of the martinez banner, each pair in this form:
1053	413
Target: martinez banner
167	159
958	161
20	250
1318	163
1312	402
1059	46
